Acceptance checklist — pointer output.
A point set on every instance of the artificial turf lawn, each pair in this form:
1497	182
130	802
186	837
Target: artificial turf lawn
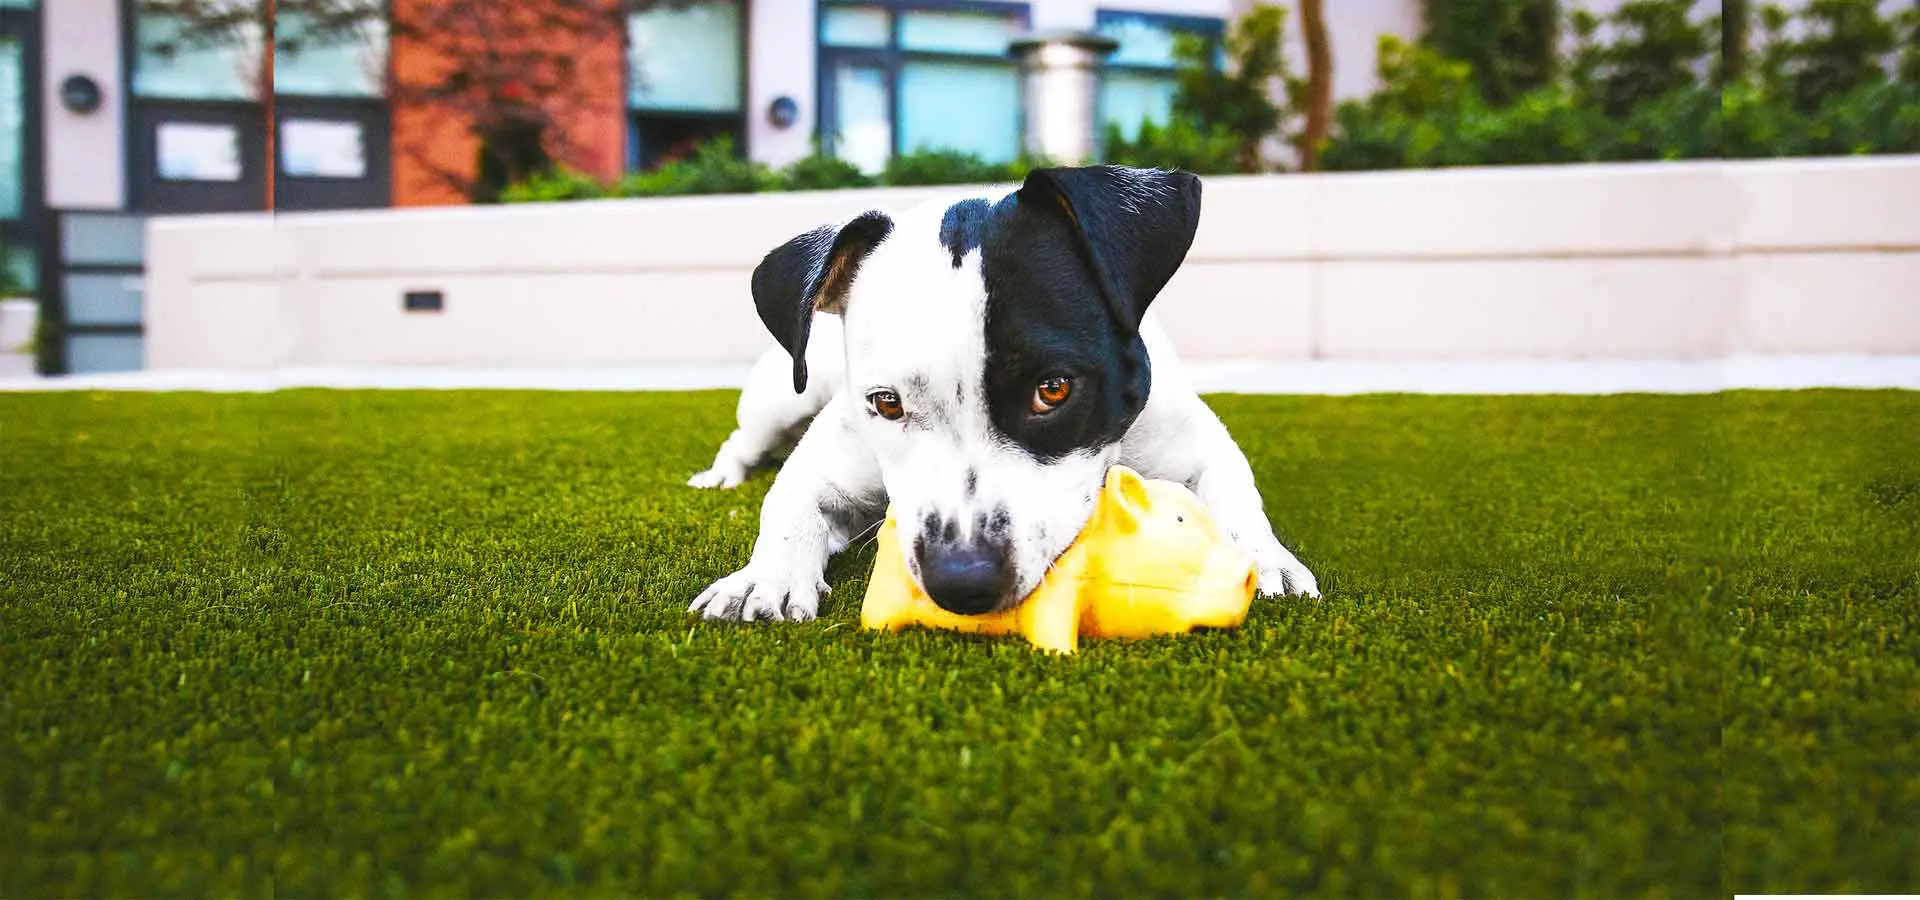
351	643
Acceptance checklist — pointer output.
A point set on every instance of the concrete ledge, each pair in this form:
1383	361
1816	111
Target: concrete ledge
1223	377
1680	261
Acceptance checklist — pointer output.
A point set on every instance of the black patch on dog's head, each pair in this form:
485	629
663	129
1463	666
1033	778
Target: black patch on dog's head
812	272
961	227
1071	262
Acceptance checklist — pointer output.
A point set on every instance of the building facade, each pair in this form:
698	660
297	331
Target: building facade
110	113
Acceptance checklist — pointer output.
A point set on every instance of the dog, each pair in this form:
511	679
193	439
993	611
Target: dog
976	364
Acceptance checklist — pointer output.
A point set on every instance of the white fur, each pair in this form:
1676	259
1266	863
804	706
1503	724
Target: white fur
915	325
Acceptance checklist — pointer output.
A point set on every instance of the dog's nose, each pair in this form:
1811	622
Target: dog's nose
965	580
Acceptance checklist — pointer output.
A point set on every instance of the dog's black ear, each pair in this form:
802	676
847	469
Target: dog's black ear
812	272
1134	225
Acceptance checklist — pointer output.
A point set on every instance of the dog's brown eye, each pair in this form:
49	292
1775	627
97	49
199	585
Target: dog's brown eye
1051	393
886	404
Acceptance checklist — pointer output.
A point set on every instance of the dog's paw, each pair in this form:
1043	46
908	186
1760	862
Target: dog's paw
721	477
1287	579
750	594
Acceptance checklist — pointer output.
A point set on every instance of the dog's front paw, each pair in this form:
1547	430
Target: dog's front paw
720	476
751	594
1286	579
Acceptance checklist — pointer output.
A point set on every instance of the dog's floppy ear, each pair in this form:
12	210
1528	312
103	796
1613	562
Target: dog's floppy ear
1134	225
812	272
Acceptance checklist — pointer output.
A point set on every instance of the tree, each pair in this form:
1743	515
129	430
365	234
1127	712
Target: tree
1238	101
1318	105
1511	44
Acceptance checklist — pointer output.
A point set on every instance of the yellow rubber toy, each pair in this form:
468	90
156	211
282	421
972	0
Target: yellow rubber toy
1150	561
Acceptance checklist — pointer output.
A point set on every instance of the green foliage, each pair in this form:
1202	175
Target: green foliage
936	166
559	183
1639	97
1656	47
714	167
821	171
1842	49
391	643
1235	103
1509	44
1177	145
12	282
1908	25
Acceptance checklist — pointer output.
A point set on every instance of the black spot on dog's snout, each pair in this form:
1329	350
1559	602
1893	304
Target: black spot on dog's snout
973	482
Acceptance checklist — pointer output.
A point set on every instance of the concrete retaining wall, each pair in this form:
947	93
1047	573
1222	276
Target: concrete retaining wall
1650	261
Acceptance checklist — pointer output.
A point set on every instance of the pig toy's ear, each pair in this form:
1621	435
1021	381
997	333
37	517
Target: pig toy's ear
1126	496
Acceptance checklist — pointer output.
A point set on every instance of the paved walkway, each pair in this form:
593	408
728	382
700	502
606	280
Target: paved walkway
1337	378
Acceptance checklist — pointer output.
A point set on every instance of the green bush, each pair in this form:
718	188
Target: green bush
820	171
558	183
1508	43
1178	145
928	167
713	167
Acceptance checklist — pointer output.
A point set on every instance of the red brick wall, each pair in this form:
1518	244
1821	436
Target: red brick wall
434	146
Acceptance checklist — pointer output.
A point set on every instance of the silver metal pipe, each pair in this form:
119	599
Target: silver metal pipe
1060	86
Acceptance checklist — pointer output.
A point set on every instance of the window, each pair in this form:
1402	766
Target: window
172	61
897	77
1138	84
13	126
349	61
684	78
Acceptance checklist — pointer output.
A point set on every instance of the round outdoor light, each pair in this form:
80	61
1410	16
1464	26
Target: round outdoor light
783	112
80	94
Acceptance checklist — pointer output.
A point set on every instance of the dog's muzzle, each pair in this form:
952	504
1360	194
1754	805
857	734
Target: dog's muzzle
965	579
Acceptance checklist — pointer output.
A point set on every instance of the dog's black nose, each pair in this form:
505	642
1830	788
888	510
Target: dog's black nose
965	580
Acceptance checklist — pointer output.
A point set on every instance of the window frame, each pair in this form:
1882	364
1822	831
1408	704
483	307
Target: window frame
734	122
891	58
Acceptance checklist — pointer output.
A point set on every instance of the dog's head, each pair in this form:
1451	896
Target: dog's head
994	358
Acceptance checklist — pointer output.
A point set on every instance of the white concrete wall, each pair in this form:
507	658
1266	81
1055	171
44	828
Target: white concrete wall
1655	261
84	153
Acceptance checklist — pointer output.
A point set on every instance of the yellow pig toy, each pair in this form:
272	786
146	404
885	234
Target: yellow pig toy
1150	561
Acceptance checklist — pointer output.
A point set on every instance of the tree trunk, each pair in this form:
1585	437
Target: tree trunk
1313	28
1734	20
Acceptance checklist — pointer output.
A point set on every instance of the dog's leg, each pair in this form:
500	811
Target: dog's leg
769	416
828	493
1226	486
1186	442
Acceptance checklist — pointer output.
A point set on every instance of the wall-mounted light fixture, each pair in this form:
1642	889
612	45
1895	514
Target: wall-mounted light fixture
80	94
783	112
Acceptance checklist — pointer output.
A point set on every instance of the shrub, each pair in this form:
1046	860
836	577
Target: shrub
559	183
928	167
712	168
1510	44
1236	103
1178	145
1843	48
1656	49
820	171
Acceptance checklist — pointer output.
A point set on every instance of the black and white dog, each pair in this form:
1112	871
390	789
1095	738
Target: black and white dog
978	365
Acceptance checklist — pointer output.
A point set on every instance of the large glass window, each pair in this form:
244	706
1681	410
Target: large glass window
175	60
13	126
1138	83
903	76
684	78
349	60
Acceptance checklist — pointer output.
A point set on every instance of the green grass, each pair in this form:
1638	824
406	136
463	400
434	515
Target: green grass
343	643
